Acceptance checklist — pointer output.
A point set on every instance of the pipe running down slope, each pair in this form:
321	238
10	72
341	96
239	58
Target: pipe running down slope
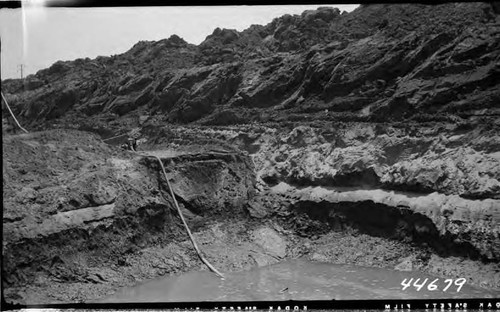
12	114
205	261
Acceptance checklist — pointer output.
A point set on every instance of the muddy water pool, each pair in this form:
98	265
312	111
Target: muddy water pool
297	280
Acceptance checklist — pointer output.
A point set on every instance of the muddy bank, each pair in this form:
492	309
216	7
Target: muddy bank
75	208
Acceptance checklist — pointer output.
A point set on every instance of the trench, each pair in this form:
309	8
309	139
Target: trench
77	255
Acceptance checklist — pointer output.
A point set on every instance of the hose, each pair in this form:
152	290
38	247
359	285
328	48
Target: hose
12	114
205	261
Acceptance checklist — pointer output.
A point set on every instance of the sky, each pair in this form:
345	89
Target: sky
36	37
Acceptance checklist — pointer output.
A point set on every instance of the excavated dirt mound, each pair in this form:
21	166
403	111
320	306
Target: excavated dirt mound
379	63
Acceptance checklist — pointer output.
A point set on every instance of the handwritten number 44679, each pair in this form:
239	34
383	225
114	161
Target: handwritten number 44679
432	286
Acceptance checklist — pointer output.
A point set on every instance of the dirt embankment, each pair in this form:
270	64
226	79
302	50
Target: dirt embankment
77	211
379	63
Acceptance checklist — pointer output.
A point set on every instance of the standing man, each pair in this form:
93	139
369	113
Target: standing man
132	144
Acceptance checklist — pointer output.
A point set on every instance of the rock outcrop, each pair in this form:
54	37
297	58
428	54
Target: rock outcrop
445	158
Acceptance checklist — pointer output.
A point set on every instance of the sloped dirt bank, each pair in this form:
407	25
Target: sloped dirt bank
77	210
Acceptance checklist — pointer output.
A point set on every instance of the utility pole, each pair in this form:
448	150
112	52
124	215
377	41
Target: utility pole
21	67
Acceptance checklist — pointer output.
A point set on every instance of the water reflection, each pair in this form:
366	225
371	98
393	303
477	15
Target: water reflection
293	279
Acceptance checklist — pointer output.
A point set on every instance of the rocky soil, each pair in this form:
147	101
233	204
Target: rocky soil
379	63
369	138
